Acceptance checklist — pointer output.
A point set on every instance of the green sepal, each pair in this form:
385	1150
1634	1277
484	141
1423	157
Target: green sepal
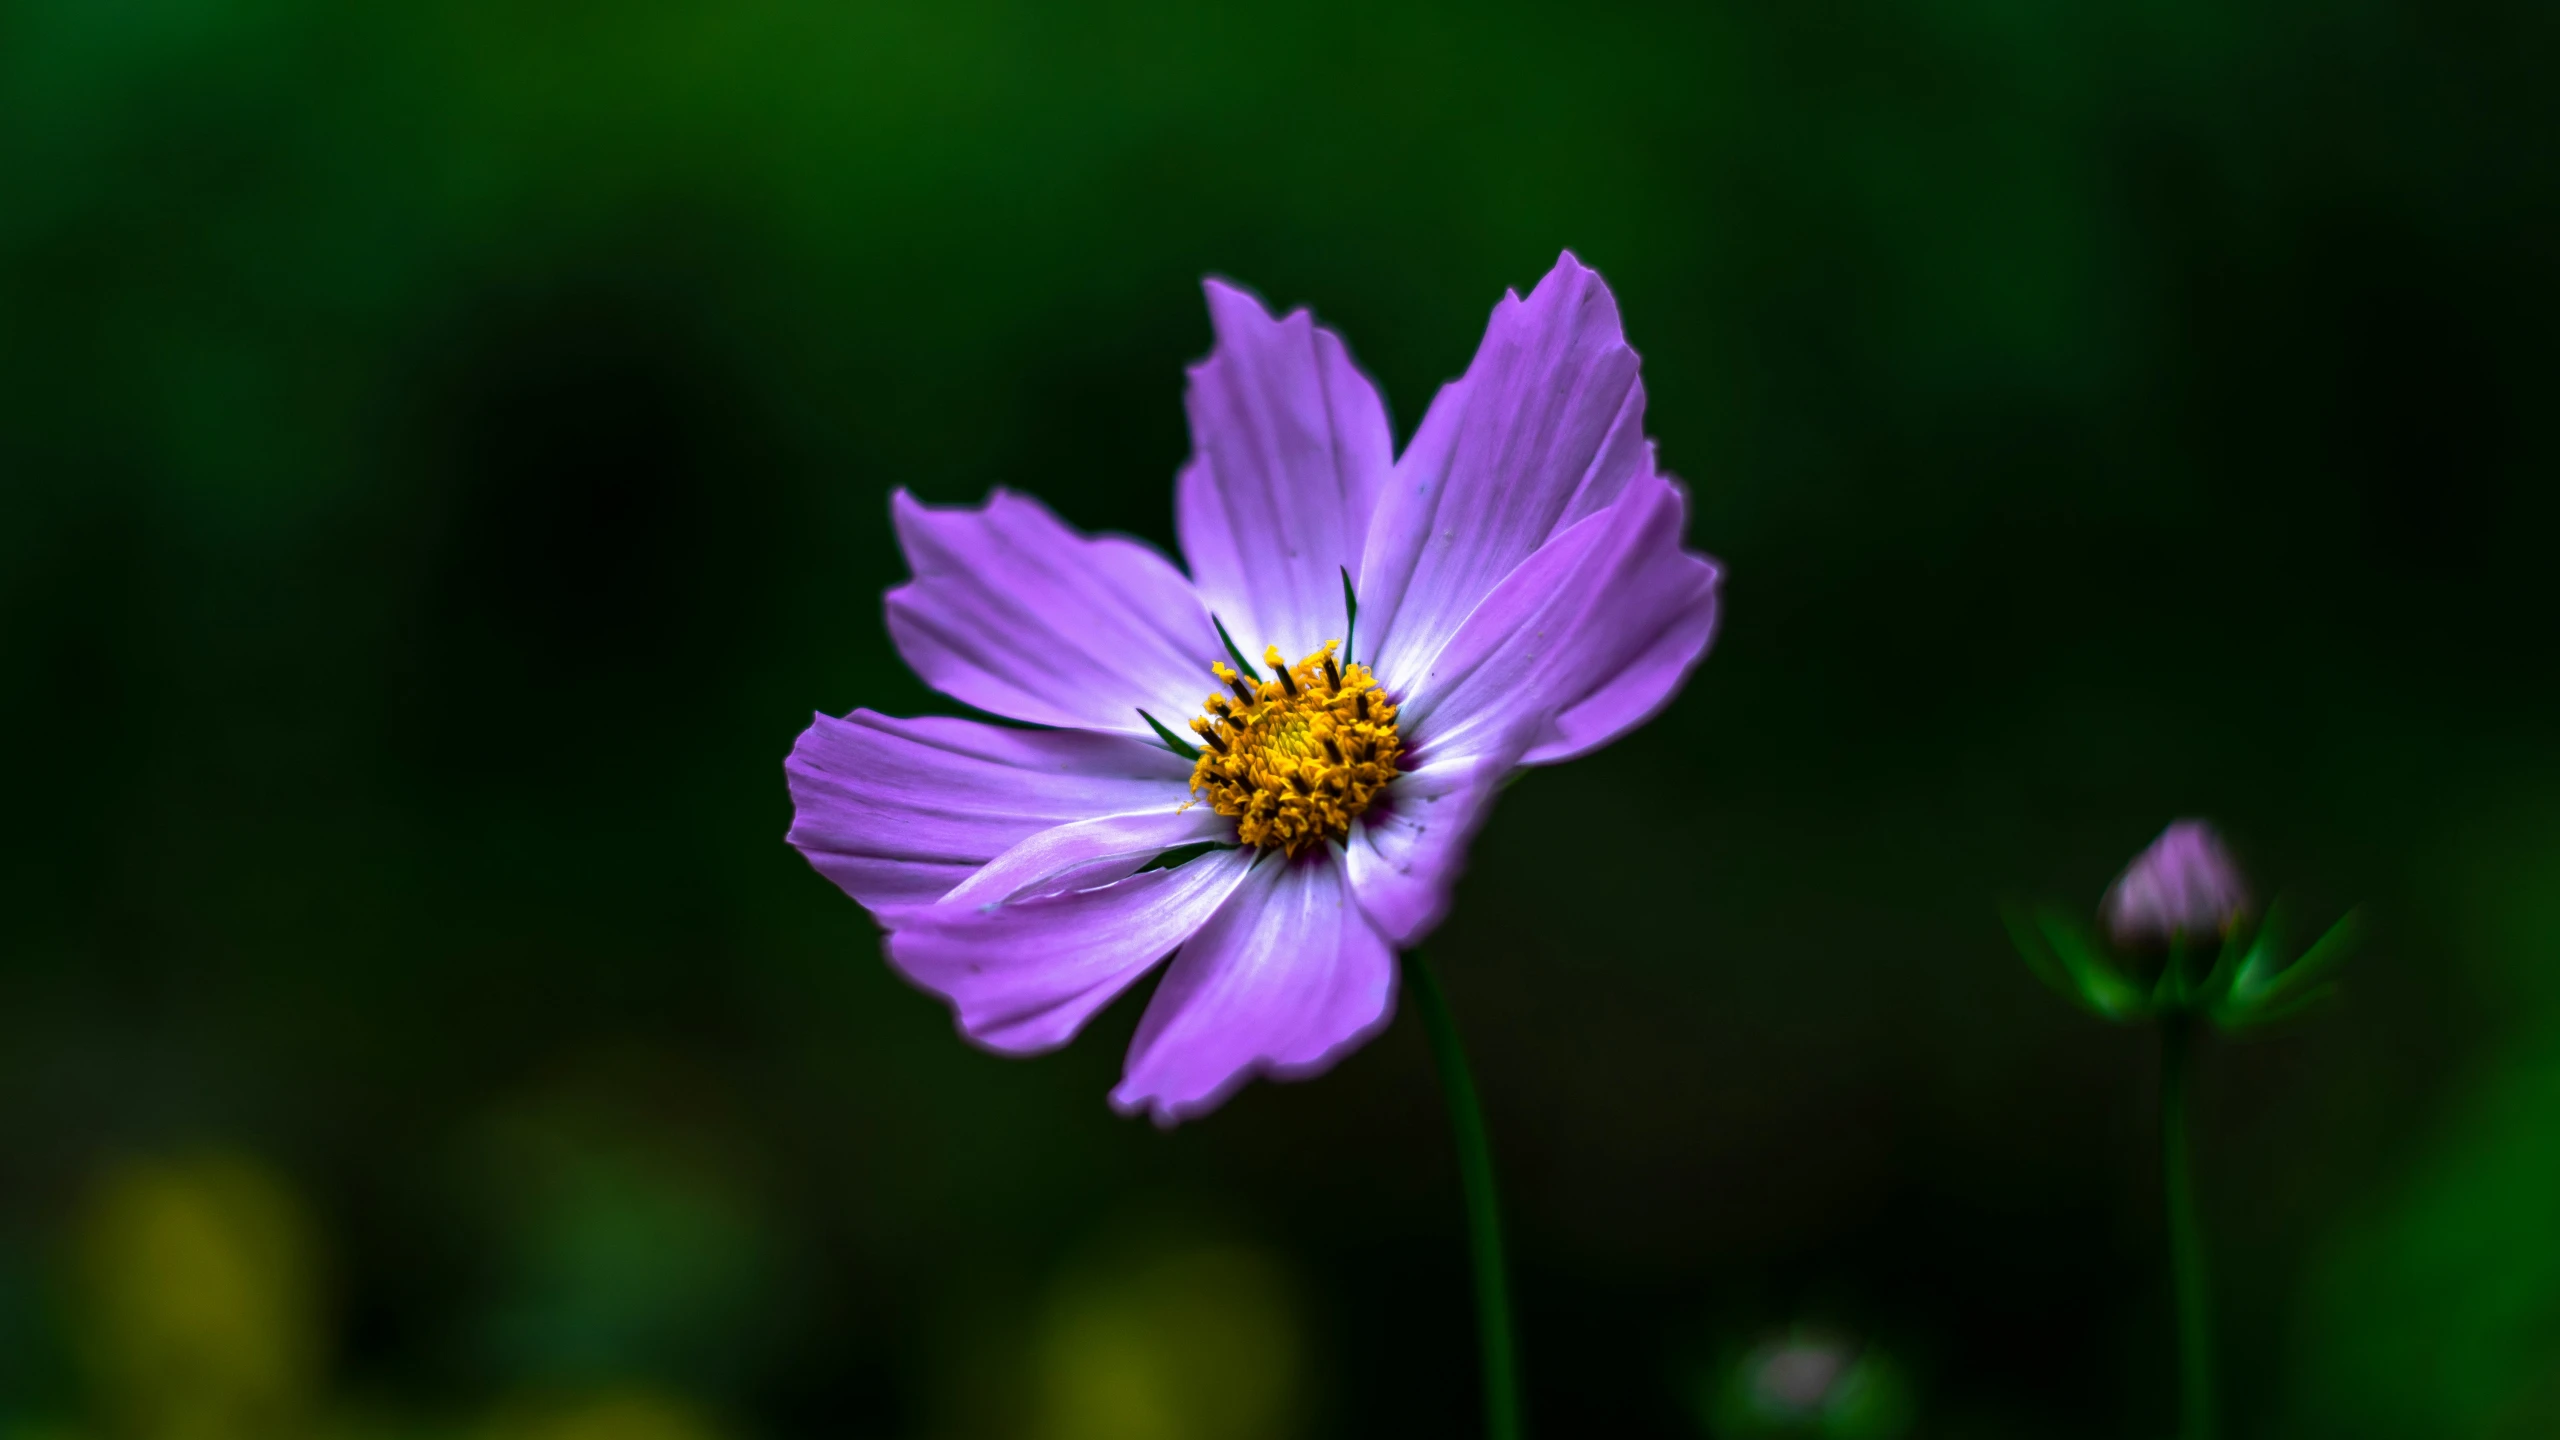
2216	986
2267	989
2064	958
1244	667
1181	855
2101	985
2032	949
1350	614
2261	963
2264	1016
2169	992
1172	742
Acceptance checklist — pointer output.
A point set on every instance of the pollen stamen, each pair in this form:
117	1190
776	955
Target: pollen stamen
1301	755
1236	683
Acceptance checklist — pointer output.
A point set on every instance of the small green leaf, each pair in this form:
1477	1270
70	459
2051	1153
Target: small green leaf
1244	667
1172	742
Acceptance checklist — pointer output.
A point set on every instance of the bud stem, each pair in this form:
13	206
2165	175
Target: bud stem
2186	1233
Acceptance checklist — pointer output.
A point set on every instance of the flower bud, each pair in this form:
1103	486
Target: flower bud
1809	1382
2186	886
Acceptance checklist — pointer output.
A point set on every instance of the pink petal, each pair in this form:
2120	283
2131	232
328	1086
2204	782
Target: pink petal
1403	857
1584	641
1087	853
899	811
1019	615
1024	976
1289	977
1290	449
1544	429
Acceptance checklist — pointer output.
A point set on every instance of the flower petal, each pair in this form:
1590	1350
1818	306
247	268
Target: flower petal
1290	450
1285	980
1014	612
1587	639
1024	976
1660	617
1572	627
897	812
1544	429
1403	857
1087	853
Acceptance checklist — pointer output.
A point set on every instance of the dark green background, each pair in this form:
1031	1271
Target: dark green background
444	453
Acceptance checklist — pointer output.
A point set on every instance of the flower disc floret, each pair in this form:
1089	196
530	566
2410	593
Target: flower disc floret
1295	759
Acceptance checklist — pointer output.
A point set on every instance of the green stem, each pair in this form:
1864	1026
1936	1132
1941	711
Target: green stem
2186	1234
1484	1216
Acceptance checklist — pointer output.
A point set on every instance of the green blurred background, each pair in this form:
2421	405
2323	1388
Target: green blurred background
444	452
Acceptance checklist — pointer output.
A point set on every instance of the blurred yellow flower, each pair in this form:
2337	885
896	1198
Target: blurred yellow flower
198	1301
1199	1344
633	1414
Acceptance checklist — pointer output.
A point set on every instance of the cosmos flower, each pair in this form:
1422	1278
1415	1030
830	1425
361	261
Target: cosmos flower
2185	884
1268	769
1810	1382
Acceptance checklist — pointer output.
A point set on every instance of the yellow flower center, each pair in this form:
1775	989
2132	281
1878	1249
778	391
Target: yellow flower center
1297	758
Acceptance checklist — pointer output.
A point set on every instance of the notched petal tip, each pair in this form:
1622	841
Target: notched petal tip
1163	1114
1233	301
1290	450
1217	287
1544	429
1585	286
1244	328
906	508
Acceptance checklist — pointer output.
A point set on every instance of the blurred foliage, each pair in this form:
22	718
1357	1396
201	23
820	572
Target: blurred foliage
619	1256
2440	1311
443	459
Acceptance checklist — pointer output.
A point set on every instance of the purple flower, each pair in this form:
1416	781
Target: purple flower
2185	885
1515	588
